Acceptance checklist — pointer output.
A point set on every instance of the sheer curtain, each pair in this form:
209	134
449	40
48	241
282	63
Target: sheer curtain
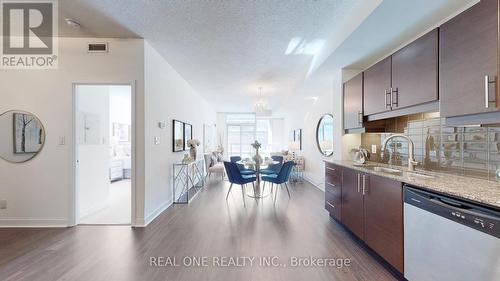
243	129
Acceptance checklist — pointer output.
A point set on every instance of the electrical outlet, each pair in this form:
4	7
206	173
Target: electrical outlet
374	148
157	140
3	204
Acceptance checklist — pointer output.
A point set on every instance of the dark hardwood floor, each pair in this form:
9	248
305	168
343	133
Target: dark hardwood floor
209	226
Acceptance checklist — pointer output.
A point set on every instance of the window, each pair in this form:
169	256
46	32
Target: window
243	130
264	136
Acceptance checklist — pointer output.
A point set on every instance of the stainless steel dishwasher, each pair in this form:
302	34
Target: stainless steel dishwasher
448	239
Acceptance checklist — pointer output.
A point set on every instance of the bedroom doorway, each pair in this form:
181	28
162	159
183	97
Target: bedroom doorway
103	142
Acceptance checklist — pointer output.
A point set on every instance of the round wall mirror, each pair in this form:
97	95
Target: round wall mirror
324	135
22	136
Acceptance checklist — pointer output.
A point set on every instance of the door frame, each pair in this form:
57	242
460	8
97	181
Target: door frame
74	212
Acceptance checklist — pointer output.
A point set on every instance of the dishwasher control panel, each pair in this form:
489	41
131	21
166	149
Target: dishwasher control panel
470	214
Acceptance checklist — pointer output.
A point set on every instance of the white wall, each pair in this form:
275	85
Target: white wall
168	96
317	97
39	191
280	136
120	105
93	158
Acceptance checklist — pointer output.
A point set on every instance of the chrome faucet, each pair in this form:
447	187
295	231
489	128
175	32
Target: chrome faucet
411	150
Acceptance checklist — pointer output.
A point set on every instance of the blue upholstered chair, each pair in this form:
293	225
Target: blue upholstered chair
235	177
243	170
275	168
281	178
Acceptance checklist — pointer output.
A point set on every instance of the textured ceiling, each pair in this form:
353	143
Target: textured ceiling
224	49
227	49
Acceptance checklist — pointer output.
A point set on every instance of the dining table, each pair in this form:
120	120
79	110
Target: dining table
258	191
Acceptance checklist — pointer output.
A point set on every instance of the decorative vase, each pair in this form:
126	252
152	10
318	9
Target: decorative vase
185	160
192	152
257	158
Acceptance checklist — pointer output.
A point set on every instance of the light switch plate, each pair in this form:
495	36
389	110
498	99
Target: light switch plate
162	124
3	204
62	140
374	148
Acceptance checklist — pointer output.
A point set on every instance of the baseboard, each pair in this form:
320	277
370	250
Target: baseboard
141	222
309	180
33	223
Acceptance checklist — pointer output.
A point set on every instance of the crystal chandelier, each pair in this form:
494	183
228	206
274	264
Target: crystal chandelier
261	105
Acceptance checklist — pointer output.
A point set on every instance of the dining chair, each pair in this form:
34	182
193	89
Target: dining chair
281	178
273	169
241	167
235	177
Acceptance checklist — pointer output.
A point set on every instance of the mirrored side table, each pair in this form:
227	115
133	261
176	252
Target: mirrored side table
188	179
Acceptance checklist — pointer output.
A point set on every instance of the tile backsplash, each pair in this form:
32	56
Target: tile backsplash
468	151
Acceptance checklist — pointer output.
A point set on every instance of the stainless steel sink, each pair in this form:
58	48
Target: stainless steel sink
421	175
387	170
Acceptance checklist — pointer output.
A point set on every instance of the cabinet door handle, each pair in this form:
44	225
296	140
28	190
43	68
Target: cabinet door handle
360	118
394	101
364	185
359	183
331	169
388	104
330	204
487	83
329	183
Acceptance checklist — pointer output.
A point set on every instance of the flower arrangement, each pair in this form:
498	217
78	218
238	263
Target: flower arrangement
256	145
192	143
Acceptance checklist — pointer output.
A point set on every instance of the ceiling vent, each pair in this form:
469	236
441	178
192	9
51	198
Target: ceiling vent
97	47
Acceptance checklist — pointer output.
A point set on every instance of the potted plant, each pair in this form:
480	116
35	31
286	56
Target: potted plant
257	158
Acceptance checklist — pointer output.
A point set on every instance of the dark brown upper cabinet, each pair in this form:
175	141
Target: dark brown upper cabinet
353	103
415	72
469	61
377	85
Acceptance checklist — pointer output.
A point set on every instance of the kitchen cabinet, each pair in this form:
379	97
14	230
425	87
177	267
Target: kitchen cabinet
333	190
469	61
372	209
352	202
383	218
415	72
353	103
376	88
407	78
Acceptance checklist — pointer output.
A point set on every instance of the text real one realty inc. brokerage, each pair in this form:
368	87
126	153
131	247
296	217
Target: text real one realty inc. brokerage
241	261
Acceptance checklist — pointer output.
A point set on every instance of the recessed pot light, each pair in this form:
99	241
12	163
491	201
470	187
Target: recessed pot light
73	23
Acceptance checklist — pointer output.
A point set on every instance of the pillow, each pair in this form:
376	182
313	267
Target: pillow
213	160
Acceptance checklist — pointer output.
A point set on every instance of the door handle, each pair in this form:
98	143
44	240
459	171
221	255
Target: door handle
359	183
394	101
364	185
360	118
330	204
487	83
388	104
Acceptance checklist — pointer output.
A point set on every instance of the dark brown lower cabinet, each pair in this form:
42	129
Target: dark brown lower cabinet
383	218
371	207
352	202
333	190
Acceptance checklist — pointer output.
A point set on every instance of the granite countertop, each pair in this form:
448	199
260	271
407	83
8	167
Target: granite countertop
478	190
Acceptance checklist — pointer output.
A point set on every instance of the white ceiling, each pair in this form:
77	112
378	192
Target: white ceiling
227	49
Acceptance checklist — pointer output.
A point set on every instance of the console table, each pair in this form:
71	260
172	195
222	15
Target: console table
188	180
297	175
